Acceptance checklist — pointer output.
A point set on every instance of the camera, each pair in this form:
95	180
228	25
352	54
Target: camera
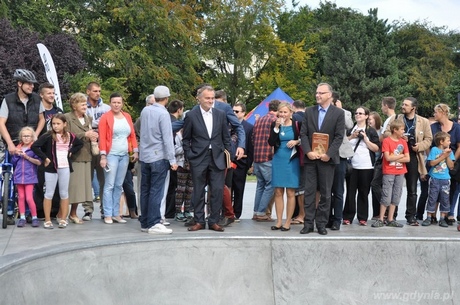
410	139
361	134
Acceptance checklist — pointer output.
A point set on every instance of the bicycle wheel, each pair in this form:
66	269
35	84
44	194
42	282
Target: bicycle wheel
6	195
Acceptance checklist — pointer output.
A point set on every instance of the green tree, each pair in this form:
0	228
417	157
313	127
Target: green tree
359	60
427	60
238	41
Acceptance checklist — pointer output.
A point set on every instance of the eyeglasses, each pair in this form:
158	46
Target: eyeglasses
359	113
321	93
236	111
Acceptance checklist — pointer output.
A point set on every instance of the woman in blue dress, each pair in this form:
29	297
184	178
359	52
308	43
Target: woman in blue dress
284	137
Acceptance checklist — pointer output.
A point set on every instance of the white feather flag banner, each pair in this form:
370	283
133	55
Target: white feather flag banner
50	70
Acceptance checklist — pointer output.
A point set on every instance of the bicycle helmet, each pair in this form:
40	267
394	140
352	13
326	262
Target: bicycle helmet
24	76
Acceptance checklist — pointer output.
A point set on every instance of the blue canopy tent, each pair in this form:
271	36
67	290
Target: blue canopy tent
262	108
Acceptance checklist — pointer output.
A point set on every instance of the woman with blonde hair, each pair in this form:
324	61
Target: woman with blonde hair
284	137
444	123
80	179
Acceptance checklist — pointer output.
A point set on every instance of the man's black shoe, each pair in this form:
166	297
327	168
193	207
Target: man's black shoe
306	230
335	226
322	231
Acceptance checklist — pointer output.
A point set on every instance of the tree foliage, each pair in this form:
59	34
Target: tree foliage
238	41
426	59
18	49
359	60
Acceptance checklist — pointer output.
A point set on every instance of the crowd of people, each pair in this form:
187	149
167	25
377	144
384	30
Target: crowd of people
192	166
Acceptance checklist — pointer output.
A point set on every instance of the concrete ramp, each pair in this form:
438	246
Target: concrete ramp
236	270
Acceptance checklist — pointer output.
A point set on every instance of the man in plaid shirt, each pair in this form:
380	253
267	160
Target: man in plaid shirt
263	154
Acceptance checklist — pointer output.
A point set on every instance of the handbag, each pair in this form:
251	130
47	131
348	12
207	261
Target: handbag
349	168
94	148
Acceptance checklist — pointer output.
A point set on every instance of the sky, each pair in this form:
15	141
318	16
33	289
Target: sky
437	12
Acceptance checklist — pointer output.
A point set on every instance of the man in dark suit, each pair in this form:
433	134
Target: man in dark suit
327	119
205	137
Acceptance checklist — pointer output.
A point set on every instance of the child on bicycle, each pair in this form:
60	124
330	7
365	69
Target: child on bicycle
25	163
55	148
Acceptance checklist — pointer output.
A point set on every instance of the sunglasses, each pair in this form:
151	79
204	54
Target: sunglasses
359	113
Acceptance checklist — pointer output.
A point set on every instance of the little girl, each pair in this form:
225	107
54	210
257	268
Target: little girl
55	147
25	163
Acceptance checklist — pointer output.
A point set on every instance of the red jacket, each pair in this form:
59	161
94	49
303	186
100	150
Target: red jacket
106	133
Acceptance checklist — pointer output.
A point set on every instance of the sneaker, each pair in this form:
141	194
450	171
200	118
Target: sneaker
394	224
87	217
188	215
165	222
190	222
427	222
226	221
159	229
97	198
21	223
377	224
35	223
180	217
10	221
443	223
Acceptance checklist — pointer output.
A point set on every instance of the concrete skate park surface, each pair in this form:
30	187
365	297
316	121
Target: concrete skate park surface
249	264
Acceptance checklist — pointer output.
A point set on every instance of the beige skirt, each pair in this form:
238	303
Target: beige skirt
80	189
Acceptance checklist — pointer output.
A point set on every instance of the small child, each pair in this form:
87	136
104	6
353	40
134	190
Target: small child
55	148
441	159
395	154
25	163
184	182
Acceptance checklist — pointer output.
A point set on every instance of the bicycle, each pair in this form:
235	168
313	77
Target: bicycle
7	187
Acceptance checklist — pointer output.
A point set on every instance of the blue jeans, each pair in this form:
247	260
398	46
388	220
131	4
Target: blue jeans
152	189
264	190
113	184
95	184
439	190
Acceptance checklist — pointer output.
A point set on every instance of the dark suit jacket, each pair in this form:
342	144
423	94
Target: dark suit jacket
232	120
196	140
246	162
333	125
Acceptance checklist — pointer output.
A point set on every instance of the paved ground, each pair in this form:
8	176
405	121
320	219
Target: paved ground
247	264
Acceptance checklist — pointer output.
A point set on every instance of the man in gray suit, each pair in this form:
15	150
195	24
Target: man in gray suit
327	119
205	137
